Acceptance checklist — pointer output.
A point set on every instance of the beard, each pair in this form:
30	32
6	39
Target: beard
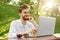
25	18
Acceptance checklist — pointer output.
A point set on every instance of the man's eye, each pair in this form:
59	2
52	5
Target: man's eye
26	12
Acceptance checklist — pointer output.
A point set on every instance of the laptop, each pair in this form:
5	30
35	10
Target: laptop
46	26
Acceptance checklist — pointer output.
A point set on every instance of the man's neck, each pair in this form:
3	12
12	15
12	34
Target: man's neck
23	21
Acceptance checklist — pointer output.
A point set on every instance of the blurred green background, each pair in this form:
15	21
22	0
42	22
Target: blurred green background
9	12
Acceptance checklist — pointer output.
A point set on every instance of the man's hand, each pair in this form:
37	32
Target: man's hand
34	22
31	19
34	31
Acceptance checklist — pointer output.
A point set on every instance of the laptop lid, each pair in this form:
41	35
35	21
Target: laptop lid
46	25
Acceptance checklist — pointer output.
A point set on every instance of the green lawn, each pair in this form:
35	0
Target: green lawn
57	27
9	13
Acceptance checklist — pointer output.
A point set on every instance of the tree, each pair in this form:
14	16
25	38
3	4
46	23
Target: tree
5	1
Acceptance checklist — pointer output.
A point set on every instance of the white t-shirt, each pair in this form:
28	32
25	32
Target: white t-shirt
17	27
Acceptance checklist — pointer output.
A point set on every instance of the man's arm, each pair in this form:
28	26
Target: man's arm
27	32
33	22
12	31
34	28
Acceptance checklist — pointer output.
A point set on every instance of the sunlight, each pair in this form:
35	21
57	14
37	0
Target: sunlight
48	5
16	1
59	7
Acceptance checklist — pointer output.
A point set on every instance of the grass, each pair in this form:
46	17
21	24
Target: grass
57	26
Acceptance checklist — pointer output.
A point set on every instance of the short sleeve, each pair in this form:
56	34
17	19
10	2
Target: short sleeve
31	26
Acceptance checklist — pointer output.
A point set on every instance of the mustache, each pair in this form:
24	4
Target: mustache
27	15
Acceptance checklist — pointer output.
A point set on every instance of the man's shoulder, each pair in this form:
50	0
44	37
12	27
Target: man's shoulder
30	23
15	21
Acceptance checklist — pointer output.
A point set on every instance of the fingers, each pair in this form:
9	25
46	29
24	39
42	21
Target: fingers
34	31
30	18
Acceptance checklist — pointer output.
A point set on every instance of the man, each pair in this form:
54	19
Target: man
24	25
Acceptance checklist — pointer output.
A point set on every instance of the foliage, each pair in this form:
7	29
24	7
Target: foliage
5	1
7	14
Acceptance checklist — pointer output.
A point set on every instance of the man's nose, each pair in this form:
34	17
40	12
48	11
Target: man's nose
27	14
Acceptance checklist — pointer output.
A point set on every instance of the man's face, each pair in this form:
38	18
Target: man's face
25	14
